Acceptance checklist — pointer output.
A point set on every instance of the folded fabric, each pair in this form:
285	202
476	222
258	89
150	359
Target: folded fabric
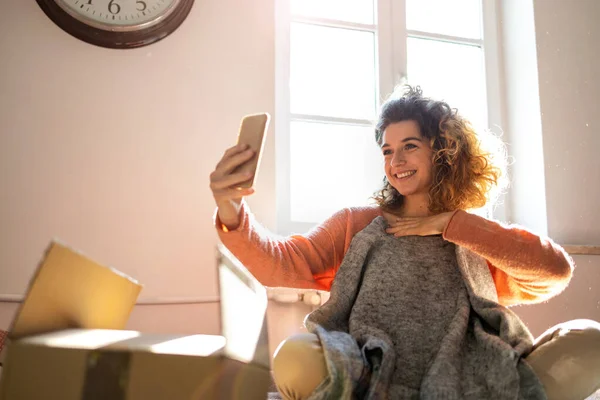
476	349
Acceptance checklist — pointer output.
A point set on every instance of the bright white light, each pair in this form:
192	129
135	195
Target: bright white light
450	72
245	316
195	345
454	18
87	339
332	72
360	11
332	167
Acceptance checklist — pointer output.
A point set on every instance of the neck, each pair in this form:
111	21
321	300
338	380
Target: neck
416	206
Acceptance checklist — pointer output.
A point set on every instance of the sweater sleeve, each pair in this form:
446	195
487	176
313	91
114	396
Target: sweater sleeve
526	268
307	261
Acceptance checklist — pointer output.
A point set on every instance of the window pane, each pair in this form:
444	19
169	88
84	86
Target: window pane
331	167
450	72
360	11
456	18
332	72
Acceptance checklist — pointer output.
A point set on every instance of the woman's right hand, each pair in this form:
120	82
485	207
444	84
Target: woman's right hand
225	184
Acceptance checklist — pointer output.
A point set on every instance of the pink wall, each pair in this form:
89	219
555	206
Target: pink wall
110	151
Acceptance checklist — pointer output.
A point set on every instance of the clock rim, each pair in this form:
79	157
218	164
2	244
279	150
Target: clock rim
125	39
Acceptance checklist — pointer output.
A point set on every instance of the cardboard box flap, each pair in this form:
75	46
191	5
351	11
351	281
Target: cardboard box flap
69	290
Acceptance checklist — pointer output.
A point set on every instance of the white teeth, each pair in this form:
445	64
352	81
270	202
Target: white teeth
405	174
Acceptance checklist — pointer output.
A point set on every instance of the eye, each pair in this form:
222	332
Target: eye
387	152
410	146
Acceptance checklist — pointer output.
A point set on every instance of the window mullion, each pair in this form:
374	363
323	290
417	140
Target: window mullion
445	38
399	49
391	65
391	46
329	120
333	23
493	76
384	50
492	62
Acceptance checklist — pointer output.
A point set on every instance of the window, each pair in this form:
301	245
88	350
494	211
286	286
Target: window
445	53
337	60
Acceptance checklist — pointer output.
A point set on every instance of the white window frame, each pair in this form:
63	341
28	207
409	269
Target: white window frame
391	70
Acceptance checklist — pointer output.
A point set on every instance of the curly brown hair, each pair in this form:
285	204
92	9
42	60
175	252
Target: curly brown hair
466	174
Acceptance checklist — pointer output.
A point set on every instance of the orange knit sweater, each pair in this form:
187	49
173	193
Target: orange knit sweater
526	268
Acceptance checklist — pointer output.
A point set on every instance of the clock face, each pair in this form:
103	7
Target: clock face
118	24
119	15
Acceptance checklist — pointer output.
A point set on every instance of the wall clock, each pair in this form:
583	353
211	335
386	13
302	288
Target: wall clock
120	24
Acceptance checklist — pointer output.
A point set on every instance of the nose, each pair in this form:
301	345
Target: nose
398	159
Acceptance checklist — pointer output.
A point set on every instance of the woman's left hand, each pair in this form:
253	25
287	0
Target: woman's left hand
419	226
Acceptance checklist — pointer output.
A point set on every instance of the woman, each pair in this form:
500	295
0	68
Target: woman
418	285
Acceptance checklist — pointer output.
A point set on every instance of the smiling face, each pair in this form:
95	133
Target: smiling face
408	159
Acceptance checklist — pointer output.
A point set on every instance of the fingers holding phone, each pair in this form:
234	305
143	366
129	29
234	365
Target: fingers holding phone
236	172
225	183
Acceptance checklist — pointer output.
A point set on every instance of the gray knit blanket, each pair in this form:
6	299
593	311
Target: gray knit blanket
481	354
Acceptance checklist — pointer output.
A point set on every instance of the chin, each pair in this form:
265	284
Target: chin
409	191
406	193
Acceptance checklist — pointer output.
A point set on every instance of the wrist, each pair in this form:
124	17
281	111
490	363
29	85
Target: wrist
445	220
228	214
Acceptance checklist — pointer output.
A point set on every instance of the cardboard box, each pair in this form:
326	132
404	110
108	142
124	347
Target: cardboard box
68	343
119	365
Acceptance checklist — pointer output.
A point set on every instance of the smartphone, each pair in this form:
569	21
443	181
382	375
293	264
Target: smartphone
253	130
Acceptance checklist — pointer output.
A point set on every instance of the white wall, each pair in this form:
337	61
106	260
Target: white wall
555	142
110	150
568	57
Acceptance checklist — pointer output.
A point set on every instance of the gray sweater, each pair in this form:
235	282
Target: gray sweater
418	318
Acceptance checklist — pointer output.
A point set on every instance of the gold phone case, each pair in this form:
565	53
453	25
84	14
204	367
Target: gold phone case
253	130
